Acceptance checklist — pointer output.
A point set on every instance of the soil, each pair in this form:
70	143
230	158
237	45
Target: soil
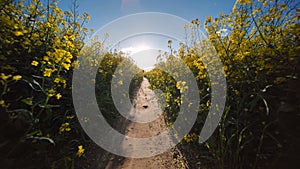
145	106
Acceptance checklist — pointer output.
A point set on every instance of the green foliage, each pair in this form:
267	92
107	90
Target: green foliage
39	44
109	65
39	48
259	53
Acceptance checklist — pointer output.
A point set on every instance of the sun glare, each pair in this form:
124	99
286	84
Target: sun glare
135	49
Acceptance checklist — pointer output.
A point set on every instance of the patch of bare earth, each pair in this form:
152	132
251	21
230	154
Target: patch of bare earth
146	104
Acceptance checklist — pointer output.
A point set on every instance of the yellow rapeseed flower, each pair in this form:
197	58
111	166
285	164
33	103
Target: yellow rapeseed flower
48	25
34	63
17	77
18	33
66	66
57	80
72	37
70	117
48	72
80	151
46	58
208	103
51	92
58	96
2	102
4	77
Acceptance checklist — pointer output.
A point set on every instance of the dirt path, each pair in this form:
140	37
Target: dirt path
146	107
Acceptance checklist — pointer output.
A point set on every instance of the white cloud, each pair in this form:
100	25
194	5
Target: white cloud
223	32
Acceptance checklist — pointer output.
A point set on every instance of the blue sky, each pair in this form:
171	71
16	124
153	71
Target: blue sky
143	49
105	11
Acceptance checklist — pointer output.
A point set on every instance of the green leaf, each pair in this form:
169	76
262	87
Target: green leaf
207	145
27	101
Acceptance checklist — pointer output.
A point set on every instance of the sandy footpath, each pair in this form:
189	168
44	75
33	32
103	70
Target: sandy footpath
146	107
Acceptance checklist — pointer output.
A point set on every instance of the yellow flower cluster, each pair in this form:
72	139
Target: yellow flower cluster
178	101
48	72
64	127
6	77
52	93
59	56
181	85
39	42
60	80
246	1
190	137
